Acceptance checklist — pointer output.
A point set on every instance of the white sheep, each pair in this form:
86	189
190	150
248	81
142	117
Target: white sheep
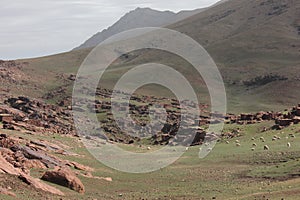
288	145
252	149
254	145
238	144
266	147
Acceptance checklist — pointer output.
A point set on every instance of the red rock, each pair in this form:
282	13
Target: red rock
36	183
7	167
64	177
81	167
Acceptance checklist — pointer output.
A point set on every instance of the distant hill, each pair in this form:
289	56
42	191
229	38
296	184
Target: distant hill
140	17
256	45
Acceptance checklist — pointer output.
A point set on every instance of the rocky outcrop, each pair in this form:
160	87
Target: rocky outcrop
8	168
18	156
37	116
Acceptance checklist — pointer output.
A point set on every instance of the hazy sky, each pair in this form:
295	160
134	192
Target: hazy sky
33	28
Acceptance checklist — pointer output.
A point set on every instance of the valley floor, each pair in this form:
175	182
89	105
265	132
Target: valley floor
228	172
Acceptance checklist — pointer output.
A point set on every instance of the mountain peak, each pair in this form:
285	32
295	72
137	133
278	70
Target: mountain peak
138	18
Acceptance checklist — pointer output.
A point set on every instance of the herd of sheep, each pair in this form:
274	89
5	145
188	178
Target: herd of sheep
263	140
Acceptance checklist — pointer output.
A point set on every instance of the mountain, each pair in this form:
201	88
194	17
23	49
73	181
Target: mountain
252	41
140	17
256	45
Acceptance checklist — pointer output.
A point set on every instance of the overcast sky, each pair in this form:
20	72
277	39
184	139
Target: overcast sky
33	28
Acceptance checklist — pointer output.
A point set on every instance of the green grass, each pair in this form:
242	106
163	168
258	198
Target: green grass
228	172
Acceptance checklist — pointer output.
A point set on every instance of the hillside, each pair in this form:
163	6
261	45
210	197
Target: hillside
256	45
251	41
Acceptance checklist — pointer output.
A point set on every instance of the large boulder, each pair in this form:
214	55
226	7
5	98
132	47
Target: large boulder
64	177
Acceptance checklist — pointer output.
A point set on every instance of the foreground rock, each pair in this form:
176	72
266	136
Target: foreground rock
18	156
8	168
64	177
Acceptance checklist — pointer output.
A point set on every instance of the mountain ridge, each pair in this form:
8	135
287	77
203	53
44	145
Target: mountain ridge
138	18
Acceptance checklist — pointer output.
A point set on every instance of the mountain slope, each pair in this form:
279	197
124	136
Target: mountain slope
256	45
140	17
251	41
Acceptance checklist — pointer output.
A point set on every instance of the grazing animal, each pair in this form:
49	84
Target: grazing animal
227	142
288	145
254	145
238	144
266	147
237	141
252	149
253	138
